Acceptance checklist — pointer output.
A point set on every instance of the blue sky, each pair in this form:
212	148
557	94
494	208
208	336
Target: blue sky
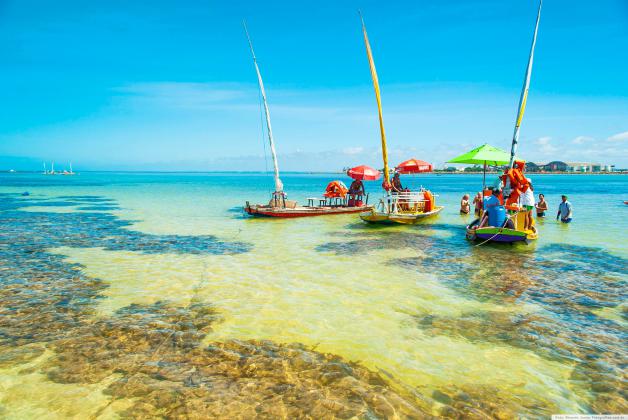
170	85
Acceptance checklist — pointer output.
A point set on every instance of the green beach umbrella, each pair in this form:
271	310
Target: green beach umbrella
483	155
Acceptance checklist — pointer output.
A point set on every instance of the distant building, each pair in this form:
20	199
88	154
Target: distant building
556	166
560	166
579	167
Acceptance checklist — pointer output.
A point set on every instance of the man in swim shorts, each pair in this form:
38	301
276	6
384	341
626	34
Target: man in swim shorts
564	210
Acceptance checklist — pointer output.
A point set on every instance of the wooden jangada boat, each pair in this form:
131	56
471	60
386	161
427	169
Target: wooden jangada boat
405	207
513	177
279	205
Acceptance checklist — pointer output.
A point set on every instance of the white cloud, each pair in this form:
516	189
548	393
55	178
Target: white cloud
582	140
619	137
185	96
353	150
545	145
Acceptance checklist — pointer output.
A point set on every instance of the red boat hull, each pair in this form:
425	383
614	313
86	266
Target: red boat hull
264	211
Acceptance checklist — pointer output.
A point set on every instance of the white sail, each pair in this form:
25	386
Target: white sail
45	171
278	184
524	91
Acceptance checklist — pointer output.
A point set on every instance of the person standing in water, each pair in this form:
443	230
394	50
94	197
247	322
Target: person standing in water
465	207
541	206
478	202
564	210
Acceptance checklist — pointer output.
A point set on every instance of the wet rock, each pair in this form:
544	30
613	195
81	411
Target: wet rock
20	355
83	229
441	397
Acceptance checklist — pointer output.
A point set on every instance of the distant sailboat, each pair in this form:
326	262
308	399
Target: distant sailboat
45	170
279	205
71	172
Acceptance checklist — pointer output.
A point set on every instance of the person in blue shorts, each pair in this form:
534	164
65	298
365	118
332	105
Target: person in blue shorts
564	210
495	213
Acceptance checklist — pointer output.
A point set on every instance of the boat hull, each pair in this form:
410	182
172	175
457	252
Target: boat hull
502	235
279	212
398	218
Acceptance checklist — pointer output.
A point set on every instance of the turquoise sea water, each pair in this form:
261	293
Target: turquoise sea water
152	294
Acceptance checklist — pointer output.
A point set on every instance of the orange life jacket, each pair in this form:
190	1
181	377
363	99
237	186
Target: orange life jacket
518	184
335	189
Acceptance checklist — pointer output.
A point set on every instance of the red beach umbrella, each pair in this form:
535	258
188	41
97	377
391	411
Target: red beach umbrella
414	166
364	172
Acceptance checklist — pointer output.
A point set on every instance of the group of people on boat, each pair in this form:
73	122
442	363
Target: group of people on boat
489	207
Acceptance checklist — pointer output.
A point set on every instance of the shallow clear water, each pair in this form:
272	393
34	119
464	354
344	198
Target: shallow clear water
152	294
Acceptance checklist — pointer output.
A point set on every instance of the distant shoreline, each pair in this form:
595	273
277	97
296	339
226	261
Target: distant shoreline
536	173
307	172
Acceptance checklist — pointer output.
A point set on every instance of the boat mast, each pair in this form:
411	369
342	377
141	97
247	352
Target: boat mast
278	184
524	91
379	102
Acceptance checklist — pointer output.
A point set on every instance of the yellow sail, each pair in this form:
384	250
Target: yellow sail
379	102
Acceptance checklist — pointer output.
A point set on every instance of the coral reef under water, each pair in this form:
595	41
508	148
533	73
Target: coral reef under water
153	356
568	282
98	229
154	353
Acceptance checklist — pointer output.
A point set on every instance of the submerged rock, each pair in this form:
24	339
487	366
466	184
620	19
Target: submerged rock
152	355
570	283
156	350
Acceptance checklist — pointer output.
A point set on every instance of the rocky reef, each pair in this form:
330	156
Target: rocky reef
153	355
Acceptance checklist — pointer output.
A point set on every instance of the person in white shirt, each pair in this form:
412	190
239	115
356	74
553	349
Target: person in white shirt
527	202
